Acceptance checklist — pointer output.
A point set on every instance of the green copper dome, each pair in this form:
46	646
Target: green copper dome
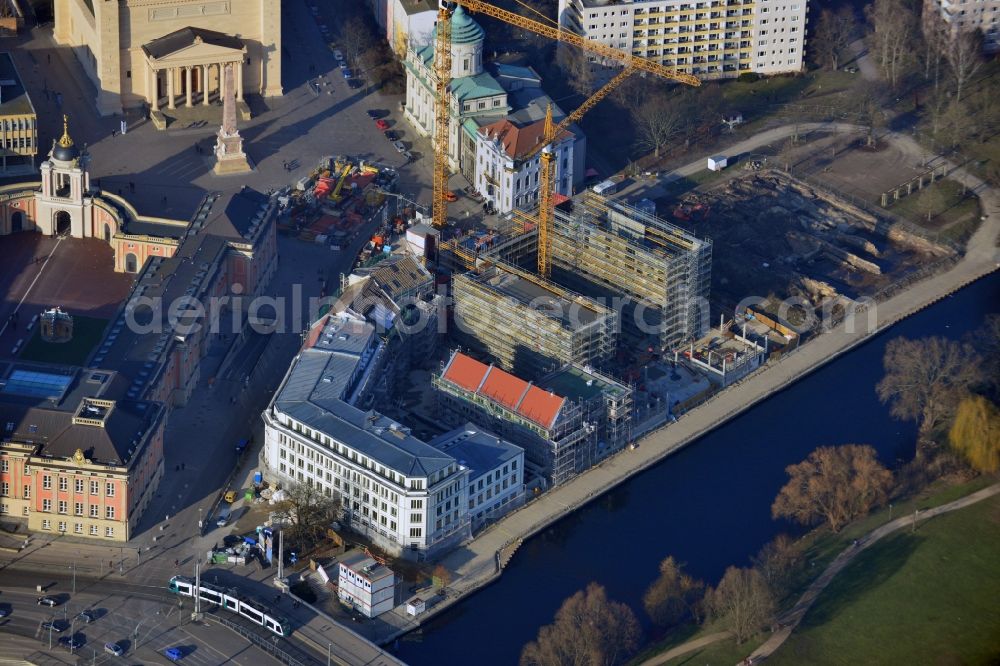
464	29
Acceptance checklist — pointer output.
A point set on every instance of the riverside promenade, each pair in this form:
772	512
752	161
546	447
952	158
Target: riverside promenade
481	561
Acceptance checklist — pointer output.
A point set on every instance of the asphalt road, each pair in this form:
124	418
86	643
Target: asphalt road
143	620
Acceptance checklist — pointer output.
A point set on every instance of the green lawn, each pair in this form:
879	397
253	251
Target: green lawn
953	211
87	333
928	597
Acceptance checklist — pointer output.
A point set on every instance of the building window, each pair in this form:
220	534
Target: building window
46	505
78	528
93	530
3	465
78	509
62	506
416	504
62	526
95	487
63	483
78	485
4	489
27	492
46	481
46	525
414	531
111	489
109	531
95	511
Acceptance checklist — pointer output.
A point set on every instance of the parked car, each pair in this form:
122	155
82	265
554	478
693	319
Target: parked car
4	612
86	617
392	136
450	196
372	113
173	654
53	627
337	55
398	145
381	124
71	642
48	601
346	72
114	648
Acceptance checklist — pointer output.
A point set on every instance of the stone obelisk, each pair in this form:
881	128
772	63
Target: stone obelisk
229	155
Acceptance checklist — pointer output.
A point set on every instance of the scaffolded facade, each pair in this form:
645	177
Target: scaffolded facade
530	325
663	272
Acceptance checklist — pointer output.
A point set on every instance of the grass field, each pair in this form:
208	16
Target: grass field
951	209
927	597
86	334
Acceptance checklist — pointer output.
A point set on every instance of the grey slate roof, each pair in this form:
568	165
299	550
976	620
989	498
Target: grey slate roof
313	394
479	450
185	37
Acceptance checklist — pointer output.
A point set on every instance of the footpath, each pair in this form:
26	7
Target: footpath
481	561
791	619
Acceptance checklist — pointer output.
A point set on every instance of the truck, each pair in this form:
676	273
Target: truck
223	518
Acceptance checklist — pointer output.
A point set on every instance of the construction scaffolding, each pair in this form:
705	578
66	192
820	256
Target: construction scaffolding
664	271
530	325
559	451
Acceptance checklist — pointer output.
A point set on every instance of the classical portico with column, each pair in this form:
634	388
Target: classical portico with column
185	69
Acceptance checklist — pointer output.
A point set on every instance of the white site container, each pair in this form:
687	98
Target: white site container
717	163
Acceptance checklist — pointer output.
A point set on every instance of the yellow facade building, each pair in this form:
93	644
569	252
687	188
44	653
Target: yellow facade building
171	52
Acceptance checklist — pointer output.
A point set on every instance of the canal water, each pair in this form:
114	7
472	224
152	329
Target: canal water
708	506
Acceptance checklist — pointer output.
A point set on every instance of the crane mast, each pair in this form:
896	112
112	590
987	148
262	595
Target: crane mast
442	69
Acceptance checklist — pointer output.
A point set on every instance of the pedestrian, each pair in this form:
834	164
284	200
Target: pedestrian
284	164
113	132
177	563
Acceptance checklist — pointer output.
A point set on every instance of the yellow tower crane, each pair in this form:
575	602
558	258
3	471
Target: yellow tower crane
442	70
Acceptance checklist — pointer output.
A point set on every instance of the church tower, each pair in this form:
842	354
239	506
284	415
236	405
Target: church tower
63	205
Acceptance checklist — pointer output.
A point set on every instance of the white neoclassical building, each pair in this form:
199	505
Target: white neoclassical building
476	97
507	173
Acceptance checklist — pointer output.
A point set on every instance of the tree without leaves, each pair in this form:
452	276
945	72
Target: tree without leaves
589	630
743	602
925	379
576	68
309	513
935	43
832	35
658	121
356	38
964	55
775	561
835	484
674	596
893	29
975	434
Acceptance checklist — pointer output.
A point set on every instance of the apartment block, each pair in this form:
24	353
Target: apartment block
959	16
711	39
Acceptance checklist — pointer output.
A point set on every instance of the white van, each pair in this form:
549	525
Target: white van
605	187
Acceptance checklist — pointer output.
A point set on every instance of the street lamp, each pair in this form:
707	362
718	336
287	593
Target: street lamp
73	567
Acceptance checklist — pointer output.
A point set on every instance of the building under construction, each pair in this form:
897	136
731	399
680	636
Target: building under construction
607	248
530	325
562	433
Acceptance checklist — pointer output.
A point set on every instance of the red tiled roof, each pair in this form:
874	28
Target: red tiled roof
518	141
466	372
504	388
541	406
514	393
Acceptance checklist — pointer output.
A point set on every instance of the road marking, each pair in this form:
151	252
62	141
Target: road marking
32	285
